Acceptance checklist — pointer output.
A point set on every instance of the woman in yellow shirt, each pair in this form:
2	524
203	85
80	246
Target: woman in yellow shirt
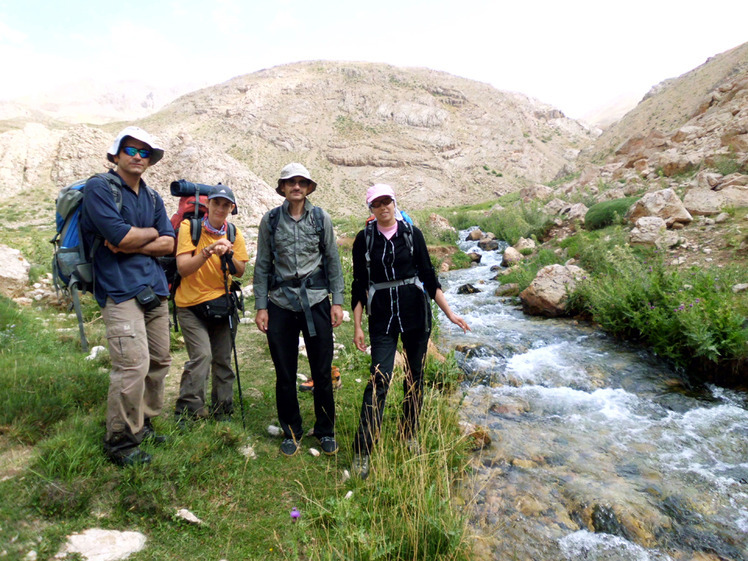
202	309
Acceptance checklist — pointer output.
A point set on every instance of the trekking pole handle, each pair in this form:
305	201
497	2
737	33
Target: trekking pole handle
227	262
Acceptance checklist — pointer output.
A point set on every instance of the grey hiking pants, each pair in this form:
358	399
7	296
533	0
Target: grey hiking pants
209	350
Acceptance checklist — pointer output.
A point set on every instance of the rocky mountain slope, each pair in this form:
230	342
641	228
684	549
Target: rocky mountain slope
439	139
672	103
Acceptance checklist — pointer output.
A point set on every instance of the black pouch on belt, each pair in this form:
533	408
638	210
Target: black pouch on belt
148	299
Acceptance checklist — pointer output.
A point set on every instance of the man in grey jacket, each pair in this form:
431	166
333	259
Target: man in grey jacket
297	267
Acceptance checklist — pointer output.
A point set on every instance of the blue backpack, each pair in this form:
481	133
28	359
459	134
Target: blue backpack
72	266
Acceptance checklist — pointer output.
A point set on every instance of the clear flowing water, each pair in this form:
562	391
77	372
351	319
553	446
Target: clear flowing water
599	450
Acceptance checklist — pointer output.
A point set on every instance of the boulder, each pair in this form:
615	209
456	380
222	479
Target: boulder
103	545
509	289
511	257
577	212
548	292
703	202
536	192
467	289
524	243
664	203
488	244
706	179
474	235
556	206
14	274
439	224
651	231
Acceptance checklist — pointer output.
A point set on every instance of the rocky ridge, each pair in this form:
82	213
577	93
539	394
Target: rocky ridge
439	139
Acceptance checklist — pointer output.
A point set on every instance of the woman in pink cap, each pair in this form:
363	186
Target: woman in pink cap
393	279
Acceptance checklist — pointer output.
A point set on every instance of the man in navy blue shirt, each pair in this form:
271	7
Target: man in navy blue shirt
131	289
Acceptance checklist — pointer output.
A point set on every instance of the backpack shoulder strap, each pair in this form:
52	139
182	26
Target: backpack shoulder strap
114	186
408	235
196	230
319	226
318	219
231	232
369	238
152	193
273	219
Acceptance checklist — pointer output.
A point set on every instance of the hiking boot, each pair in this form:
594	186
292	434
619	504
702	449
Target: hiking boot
186	418
307	386
328	445
131	457
360	466
289	447
222	412
150	434
221	417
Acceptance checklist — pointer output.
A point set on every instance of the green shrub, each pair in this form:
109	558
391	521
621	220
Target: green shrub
521	220
460	260
681	316
607	213
727	165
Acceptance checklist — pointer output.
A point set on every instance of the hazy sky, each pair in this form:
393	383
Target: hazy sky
576	54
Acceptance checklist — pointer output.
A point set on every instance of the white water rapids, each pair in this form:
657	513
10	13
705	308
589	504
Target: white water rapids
600	451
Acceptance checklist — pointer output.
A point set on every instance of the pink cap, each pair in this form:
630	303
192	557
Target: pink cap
378	190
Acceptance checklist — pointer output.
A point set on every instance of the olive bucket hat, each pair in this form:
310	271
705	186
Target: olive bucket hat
138	134
294	170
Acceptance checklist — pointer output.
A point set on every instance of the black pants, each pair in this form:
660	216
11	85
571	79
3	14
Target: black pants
383	348
283	331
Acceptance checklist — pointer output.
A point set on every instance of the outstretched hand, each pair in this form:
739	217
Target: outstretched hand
459	322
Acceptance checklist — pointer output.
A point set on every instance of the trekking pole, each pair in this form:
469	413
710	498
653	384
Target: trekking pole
227	264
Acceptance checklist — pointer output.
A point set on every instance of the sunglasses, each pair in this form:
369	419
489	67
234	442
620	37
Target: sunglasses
131	151
384	201
294	181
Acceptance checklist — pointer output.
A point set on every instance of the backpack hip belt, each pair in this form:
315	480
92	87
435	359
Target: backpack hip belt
373	287
315	280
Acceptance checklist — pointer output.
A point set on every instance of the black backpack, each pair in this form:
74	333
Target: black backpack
72	266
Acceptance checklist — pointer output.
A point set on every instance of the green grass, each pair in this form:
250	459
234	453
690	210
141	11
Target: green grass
54	400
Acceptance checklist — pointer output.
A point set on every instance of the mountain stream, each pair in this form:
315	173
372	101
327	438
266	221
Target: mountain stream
599	450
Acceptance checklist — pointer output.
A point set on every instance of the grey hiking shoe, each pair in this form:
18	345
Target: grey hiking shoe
328	445
360	466
289	447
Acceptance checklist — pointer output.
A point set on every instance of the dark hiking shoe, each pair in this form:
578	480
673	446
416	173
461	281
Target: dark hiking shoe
186	418
222	413
289	447
131	457
360	466
328	445
150	435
